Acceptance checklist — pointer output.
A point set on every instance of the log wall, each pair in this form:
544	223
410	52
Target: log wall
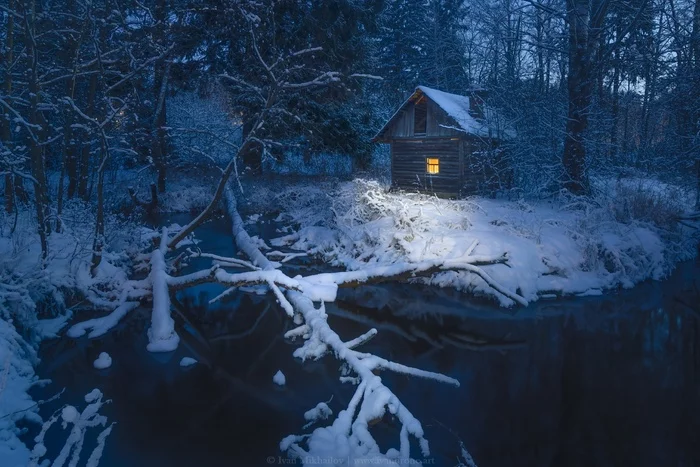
408	165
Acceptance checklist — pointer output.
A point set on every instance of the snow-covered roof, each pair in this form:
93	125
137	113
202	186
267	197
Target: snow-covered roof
457	108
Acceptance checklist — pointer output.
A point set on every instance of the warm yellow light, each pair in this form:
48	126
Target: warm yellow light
432	165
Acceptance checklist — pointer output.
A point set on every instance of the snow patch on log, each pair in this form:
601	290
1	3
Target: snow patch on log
246	244
161	335
187	361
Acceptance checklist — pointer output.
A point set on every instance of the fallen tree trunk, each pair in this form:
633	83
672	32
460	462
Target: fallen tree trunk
349	434
161	335
404	271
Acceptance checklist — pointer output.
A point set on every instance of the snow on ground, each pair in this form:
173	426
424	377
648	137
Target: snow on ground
279	378
103	361
563	246
16	378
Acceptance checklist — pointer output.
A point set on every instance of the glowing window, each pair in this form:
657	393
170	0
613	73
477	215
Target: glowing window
432	165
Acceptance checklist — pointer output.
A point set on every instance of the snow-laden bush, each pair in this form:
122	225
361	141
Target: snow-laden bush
660	205
369	223
16	379
309	202
24	285
365	201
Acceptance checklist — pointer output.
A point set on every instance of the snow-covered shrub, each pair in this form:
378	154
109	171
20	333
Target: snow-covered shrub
308	202
365	201
636	200
629	229
186	197
24	285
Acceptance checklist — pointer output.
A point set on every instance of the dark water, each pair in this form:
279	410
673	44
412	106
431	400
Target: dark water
604	381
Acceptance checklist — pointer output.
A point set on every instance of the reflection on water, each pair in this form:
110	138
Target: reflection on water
604	381
595	381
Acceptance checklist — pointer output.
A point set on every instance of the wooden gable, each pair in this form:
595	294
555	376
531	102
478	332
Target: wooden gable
403	123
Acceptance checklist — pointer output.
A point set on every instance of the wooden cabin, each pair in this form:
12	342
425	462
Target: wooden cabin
447	144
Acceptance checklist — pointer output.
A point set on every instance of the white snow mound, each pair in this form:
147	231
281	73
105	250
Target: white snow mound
279	378
103	361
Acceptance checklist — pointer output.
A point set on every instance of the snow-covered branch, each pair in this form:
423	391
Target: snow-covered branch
349	434
79	422
321	80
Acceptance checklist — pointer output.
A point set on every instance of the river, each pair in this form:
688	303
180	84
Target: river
597	381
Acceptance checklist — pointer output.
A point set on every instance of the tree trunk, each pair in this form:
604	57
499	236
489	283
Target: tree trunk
252	156
160	87
36	150
86	149
98	242
697	186
158	142
695	41
696	77
615	107
69	151
69	156
585	20
579	87
5	128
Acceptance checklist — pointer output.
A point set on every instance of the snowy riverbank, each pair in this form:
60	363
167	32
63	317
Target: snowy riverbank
35	304
562	246
32	302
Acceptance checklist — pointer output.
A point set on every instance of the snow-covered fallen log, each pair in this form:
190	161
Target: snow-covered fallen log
159	284
243	240
302	298
348	438
398	271
121	297
161	335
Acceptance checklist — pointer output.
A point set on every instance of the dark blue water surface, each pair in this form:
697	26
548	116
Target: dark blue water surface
599	381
